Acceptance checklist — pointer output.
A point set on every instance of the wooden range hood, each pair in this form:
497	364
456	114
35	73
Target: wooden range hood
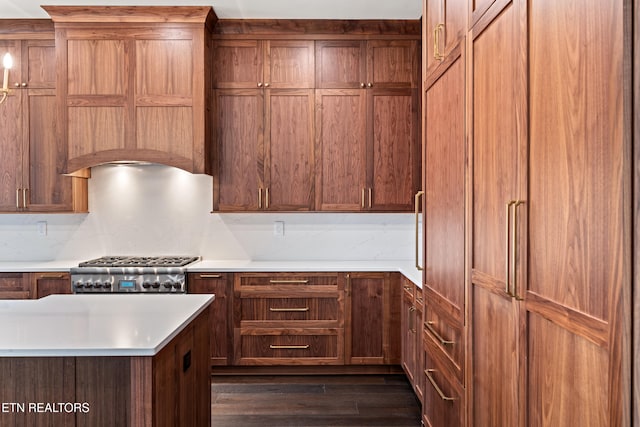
132	85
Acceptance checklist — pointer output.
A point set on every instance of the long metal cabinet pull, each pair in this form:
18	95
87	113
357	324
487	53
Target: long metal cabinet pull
507	221
283	281
428	372
436	42
24	197
289	347
429	326
412	320
266	198
514	249
362	199
259	198
210	276
348	284
370	197
18	198
416	203
287	310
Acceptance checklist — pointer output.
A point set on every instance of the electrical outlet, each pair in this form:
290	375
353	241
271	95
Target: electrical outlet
278	228
42	228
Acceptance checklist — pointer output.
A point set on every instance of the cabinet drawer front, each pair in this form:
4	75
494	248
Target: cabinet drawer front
292	349
285	309
285	280
439	330
442	393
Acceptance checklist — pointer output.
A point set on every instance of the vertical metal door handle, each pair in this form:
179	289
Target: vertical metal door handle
507	220
259	198
24	197
370	198
416	207
266	198
348	285
514	249
436	42
18	198
362	200
428	373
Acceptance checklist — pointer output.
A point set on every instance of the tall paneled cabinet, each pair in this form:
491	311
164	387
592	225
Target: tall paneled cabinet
543	96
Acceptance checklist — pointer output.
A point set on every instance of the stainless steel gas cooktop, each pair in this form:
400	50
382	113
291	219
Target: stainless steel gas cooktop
132	274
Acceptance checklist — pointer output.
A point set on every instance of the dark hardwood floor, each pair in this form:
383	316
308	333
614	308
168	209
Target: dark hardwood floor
310	400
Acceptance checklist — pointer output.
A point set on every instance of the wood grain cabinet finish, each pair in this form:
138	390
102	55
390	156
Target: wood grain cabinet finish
367	143
30	179
264	125
550	251
372	315
288	319
444	25
412	353
15	286
133	85
221	320
50	283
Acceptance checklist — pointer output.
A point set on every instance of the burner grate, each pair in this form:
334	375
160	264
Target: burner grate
138	261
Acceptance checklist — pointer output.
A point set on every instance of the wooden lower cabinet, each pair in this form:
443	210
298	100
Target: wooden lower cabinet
288	319
52	283
33	285
443	394
221	327
14	286
412	358
372	313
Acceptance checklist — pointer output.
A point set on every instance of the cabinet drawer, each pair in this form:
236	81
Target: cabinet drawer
283	347
14	286
444	334
443	394
285	281
290	309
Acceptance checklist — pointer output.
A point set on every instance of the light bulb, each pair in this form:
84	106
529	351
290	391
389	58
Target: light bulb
7	61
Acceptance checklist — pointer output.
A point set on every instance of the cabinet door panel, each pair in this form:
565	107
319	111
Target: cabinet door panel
497	96
340	64
97	67
392	63
164	67
289	64
40	69
393	151
340	144
289	147
237	64
240	142
366	315
444	186
11	148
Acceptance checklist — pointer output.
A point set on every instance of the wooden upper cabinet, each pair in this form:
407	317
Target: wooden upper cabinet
367	64
444	25
276	64
133	85
30	179
367	126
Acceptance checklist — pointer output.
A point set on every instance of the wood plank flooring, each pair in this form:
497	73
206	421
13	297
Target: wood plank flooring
310	400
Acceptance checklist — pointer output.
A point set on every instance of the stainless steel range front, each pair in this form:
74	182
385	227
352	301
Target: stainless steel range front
129	274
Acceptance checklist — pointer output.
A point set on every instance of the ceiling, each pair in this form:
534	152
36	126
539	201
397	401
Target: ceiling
244	9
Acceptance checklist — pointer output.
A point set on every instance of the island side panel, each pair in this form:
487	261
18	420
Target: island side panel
37	391
103	382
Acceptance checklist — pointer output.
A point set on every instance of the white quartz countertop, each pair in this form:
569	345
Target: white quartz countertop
406	267
95	325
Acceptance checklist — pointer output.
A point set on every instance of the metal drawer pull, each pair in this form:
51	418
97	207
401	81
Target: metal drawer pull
429	326
277	281
285	310
428	372
51	276
289	347
416	206
210	276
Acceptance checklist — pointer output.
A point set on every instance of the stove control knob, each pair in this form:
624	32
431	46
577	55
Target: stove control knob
167	285
97	285
156	285
107	285
79	284
146	285
177	285
88	285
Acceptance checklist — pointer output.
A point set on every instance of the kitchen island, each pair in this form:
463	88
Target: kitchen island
105	360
